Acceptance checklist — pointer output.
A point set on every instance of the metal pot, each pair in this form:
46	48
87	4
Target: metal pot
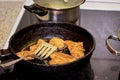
58	4
47	30
108	45
56	10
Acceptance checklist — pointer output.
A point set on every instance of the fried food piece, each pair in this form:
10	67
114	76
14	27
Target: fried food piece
23	53
76	48
58	42
35	46
31	51
76	51
60	58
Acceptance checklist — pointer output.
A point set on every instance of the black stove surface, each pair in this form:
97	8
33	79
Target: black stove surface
83	73
103	65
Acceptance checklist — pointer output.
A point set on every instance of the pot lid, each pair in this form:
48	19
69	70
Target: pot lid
58	4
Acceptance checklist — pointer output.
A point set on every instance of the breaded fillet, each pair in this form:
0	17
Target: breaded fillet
23	53
60	58
76	48
58	42
76	51
31	51
35	46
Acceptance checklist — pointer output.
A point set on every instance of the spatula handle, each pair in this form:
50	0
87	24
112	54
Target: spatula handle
10	63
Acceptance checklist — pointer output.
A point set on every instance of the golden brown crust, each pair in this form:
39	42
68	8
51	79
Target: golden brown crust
76	51
31	51
24	53
60	58
35	46
76	48
58	42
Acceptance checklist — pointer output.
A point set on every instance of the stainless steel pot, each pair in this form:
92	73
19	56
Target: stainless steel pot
108	45
58	4
56	10
68	15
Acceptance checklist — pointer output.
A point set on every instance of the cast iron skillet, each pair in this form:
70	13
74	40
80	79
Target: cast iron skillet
47	30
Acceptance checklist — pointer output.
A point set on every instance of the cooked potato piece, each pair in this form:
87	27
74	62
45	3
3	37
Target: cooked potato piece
58	42
60	58
76	48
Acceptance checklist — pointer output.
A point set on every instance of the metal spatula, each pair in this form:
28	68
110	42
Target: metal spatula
42	52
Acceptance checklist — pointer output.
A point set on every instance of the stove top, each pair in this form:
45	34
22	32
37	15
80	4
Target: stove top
103	65
83	73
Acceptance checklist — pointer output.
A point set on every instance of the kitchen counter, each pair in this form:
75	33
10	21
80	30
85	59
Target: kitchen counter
8	13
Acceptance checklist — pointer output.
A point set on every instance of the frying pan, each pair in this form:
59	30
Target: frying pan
48	30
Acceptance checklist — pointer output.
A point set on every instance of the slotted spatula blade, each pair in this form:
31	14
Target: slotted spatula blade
44	50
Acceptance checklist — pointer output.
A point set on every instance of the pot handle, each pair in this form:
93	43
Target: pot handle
109	47
36	9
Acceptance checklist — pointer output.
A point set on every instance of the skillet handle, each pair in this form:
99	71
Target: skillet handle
4	65
5	54
109	47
